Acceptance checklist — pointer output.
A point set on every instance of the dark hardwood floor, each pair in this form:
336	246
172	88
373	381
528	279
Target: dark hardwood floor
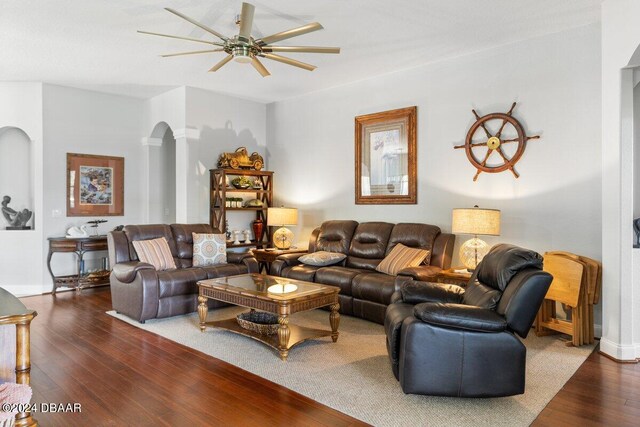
124	376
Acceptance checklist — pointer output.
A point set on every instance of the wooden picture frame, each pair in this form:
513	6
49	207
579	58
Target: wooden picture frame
385	157
95	185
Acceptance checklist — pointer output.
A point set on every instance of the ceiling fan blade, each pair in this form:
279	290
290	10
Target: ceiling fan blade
307	49
290	61
181	38
197	24
221	63
194	52
259	67
294	32
246	21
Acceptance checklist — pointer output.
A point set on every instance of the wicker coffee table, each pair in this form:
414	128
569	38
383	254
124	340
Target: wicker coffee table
276	295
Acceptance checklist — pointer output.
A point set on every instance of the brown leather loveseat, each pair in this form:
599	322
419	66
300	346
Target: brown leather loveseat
142	293
365	292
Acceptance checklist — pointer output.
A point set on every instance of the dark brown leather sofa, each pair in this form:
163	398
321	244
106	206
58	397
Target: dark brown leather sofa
364	292
142	293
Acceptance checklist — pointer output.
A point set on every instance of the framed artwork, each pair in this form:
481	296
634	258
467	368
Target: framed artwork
385	157
95	185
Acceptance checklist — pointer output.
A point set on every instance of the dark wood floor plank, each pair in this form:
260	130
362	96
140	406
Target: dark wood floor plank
596	395
123	375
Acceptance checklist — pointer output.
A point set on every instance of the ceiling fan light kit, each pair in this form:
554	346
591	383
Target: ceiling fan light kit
243	48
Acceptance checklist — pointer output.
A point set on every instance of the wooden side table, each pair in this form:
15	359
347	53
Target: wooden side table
451	277
79	246
13	312
266	257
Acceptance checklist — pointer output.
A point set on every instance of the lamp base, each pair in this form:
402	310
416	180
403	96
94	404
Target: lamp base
472	251
282	238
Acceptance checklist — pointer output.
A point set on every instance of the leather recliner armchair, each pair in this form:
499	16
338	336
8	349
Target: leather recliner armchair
445	340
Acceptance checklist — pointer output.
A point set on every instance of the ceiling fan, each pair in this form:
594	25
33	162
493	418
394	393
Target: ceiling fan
246	49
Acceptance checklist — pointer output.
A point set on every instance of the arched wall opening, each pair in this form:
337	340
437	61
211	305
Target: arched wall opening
17	170
161	175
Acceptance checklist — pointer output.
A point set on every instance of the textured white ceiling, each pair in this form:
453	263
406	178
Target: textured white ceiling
93	43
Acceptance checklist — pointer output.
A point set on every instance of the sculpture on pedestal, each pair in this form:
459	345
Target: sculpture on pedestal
17	219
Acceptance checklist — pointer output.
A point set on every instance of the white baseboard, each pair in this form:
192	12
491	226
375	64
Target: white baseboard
624	353
24	290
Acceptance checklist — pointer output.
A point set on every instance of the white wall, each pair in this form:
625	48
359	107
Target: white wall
80	121
21	268
621	283
86	122
223	124
554	205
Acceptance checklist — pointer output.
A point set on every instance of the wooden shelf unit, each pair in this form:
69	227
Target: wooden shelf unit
218	193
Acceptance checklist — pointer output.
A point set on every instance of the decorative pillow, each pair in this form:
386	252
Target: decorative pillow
322	258
209	249
155	252
401	257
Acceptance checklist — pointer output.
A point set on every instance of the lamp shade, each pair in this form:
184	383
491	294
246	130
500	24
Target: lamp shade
476	221
282	216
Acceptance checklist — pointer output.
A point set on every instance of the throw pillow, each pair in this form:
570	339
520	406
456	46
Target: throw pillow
400	257
155	252
209	249
322	258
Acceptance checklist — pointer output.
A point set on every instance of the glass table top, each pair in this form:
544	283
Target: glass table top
269	286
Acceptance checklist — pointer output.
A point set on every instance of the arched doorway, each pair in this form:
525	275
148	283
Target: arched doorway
161	175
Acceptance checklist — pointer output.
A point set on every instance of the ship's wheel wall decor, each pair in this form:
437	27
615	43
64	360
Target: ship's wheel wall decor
494	142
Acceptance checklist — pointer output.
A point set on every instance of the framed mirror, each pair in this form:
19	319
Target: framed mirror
385	158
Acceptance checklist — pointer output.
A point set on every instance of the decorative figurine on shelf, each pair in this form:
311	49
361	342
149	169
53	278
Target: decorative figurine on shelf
254	203
257	184
241	182
636	229
236	237
94	224
77	232
240	159
247	236
17	220
227	232
258	226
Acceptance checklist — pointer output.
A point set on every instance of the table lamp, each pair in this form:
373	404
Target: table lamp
279	217
475	221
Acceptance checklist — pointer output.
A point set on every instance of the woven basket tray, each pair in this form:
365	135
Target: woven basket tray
259	321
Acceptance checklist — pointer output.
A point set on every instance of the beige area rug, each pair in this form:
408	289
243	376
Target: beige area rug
354	375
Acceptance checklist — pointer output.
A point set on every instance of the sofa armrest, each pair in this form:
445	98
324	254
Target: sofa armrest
396	297
420	292
425	273
460	316
285	260
125	272
245	258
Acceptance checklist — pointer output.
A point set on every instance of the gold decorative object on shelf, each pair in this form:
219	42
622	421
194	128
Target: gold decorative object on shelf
240	159
241	182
